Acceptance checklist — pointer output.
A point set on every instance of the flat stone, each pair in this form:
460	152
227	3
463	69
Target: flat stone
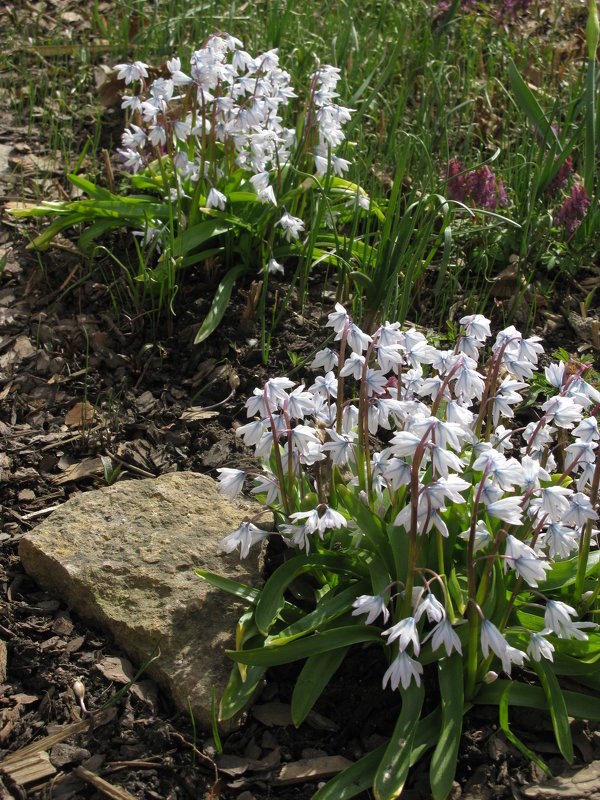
124	557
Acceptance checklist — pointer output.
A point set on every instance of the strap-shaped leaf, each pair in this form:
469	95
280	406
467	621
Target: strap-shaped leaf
309	646
443	761
392	772
558	708
578	704
528	104
233	587
271	599
512	738
238	692
327	610
219	303
200	233
314	677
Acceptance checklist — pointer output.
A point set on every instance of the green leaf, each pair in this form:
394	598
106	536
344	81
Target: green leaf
327	609
309	646
313	678
238	589
558	708
271	598
530	105
563	573
392	772
219	303
238	692
97	192
369	523
444	758
590	121
512	738
200	233
578	704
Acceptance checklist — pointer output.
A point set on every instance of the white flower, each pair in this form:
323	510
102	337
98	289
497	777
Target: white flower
300	403
557	619
357	340
430	606
587	430
244	537
563	411
539	648
555	502
311	519
491	638
406	631
580	510
231	481
353	365
331	519
273	267
337	319
292	226
560	540
216	199
326	359
341	448
476	325
302	435
325	385
482	536
402	670
131	72
444	634
508	509
373	605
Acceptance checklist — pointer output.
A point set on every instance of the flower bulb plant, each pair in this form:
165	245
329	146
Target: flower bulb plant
430	528
223	159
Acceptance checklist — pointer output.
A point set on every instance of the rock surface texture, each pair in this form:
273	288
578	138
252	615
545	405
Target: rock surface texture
124	557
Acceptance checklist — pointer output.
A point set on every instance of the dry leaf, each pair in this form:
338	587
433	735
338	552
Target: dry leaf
80	414
311	769
114	668
76	472
196	413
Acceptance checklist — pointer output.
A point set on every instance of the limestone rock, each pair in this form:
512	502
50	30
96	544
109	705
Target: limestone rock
124	557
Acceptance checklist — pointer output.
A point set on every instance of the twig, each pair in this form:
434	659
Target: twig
138	470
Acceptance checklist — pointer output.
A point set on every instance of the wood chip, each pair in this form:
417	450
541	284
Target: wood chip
101	785
311	769
29	768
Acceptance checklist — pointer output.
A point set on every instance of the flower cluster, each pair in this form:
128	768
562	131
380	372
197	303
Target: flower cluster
449	471
573	210
480	186
226	112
